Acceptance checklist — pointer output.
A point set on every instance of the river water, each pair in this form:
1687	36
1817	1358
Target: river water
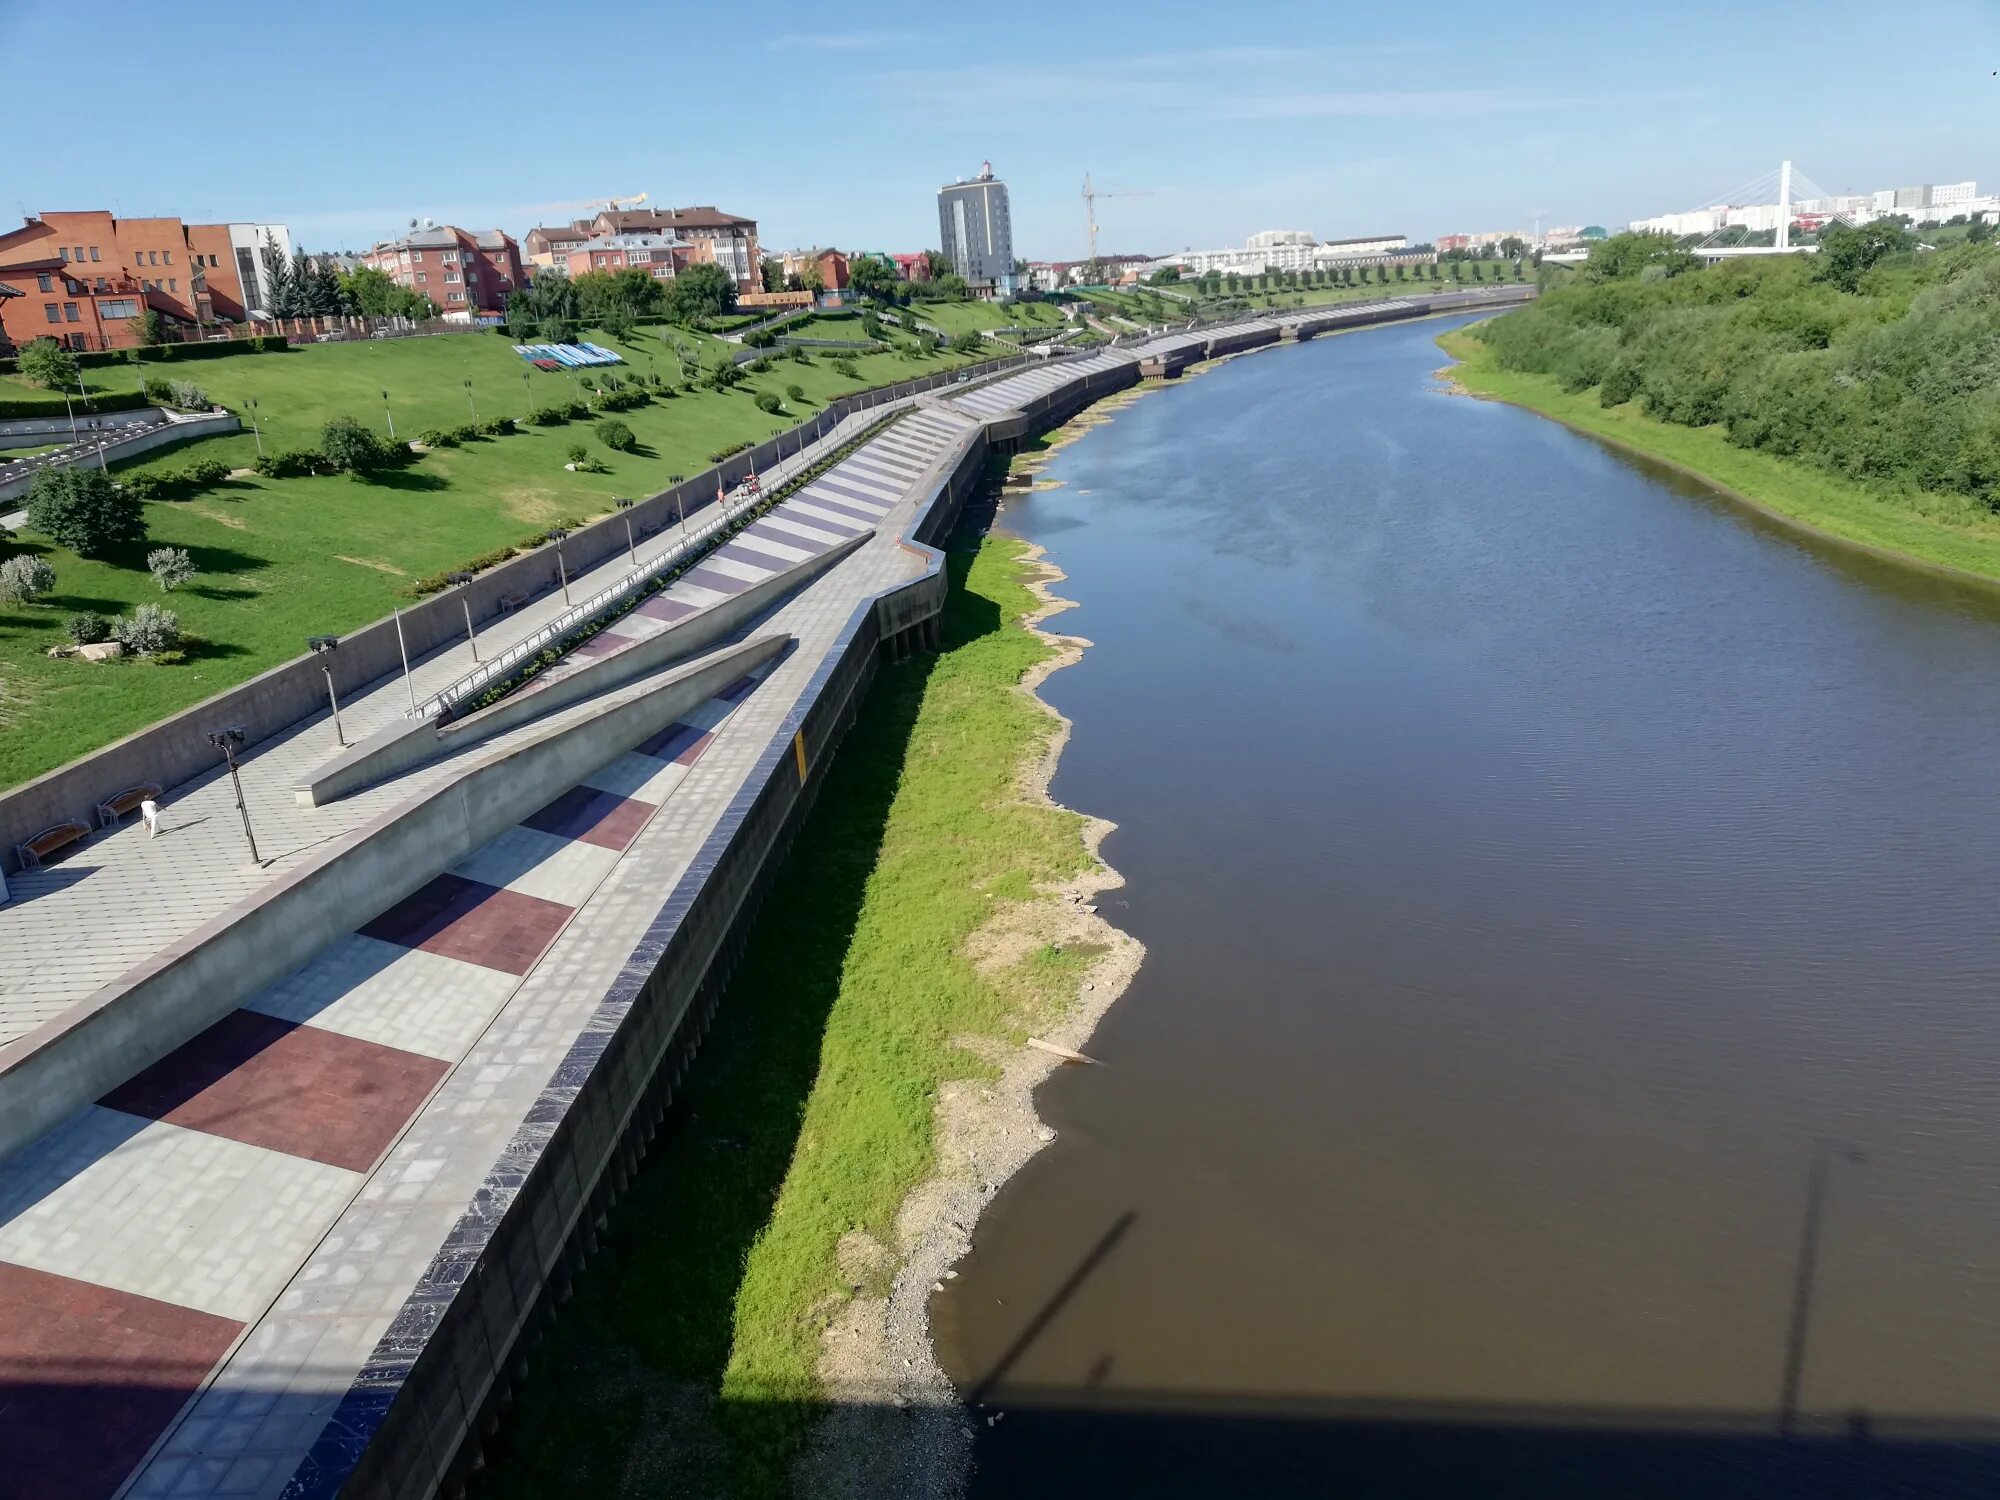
1569	1020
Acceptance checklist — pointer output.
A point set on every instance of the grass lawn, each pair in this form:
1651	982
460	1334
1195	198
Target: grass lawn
830	325
960	317
284	559
685	1363
1942	530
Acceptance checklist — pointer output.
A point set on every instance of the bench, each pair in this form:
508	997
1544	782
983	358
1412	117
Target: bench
112	809
33	851
512	601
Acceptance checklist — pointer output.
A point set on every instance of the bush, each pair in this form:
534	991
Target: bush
760	365
188	396
844	364
436	437
294	463
576	453
171	567
622	400
148	487
159	391
148	630
616	436
586	382
87	629
760	338
798	355
967	343
730	452
464	432
81	509
496	426
207	471
796	394
766	402
349	446
25	579
548	416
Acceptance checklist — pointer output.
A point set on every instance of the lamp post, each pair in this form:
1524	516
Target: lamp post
323	647
459	581
229	739
403	646
390	415
70	407
470	405
631	547
556	535
257	431
680	513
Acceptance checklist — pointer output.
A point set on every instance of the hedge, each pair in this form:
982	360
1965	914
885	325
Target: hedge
153	354
54	406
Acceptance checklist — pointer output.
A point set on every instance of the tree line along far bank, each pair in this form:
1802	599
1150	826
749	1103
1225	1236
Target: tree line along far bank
1877	359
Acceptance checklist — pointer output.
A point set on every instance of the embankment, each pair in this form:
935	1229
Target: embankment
1924	531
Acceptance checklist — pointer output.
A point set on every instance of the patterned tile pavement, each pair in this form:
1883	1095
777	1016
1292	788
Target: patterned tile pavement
242	1222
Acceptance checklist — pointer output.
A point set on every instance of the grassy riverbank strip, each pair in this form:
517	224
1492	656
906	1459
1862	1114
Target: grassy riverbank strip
1936	531
689	1360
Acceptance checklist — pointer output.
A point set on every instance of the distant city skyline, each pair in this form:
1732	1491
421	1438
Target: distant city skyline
1359	122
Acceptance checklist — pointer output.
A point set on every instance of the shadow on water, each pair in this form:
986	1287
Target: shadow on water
623	1397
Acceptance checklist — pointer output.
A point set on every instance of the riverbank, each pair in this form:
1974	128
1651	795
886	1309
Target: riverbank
932	916
1943	533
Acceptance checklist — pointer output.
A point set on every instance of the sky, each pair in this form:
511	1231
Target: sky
836	125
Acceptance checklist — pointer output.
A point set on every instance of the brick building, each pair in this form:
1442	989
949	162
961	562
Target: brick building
546	247
726	240
660	256
101	271
461	270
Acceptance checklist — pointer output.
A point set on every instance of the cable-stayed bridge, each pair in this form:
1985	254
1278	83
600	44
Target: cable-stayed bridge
1785	183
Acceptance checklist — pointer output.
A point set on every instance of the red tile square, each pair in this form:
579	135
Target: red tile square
89	1378
593	817
479	923
290	1088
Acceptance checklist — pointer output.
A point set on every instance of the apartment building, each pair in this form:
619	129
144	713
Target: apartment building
102	271
660	256
718	238
546	247
976	230
463	271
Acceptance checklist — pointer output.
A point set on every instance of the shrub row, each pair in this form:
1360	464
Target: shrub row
561	412
177	484
54	406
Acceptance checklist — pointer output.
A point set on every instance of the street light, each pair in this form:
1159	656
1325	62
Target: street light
470	406
556	535
390	415
680	513
323	647
229	739
459	581
254	428
631	547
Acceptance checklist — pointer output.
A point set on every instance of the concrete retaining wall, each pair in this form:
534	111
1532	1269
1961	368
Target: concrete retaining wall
398	748
180	431
33	432
154	1007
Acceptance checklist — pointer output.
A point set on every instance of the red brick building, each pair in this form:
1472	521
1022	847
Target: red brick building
914	267
463	271
726	240
101	271
660	256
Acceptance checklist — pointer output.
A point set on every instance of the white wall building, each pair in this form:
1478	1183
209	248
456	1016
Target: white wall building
246	248
1923	201
1282	250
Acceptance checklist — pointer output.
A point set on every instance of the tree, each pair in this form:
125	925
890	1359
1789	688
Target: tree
352	447
1624	256
48	364
1845	254
617	321
149	629
372	294
616	436
149	327
24	579
701	291
1979	232
1513	247
771	272
81	509
279	294
171	567
939	263
967	343
870	277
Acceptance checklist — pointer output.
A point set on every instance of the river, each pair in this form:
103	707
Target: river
1553	878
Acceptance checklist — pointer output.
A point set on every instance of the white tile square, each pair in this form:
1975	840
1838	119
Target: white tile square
540	864
178	1215
643	776
395	996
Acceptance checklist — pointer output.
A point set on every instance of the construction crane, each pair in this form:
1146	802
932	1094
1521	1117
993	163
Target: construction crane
592	206
1090	197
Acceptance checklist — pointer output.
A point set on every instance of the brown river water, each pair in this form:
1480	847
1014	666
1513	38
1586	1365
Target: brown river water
1567	1060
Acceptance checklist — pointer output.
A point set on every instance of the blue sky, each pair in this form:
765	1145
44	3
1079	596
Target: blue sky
836	124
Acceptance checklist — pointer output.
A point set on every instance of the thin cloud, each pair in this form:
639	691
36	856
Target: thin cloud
840	41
